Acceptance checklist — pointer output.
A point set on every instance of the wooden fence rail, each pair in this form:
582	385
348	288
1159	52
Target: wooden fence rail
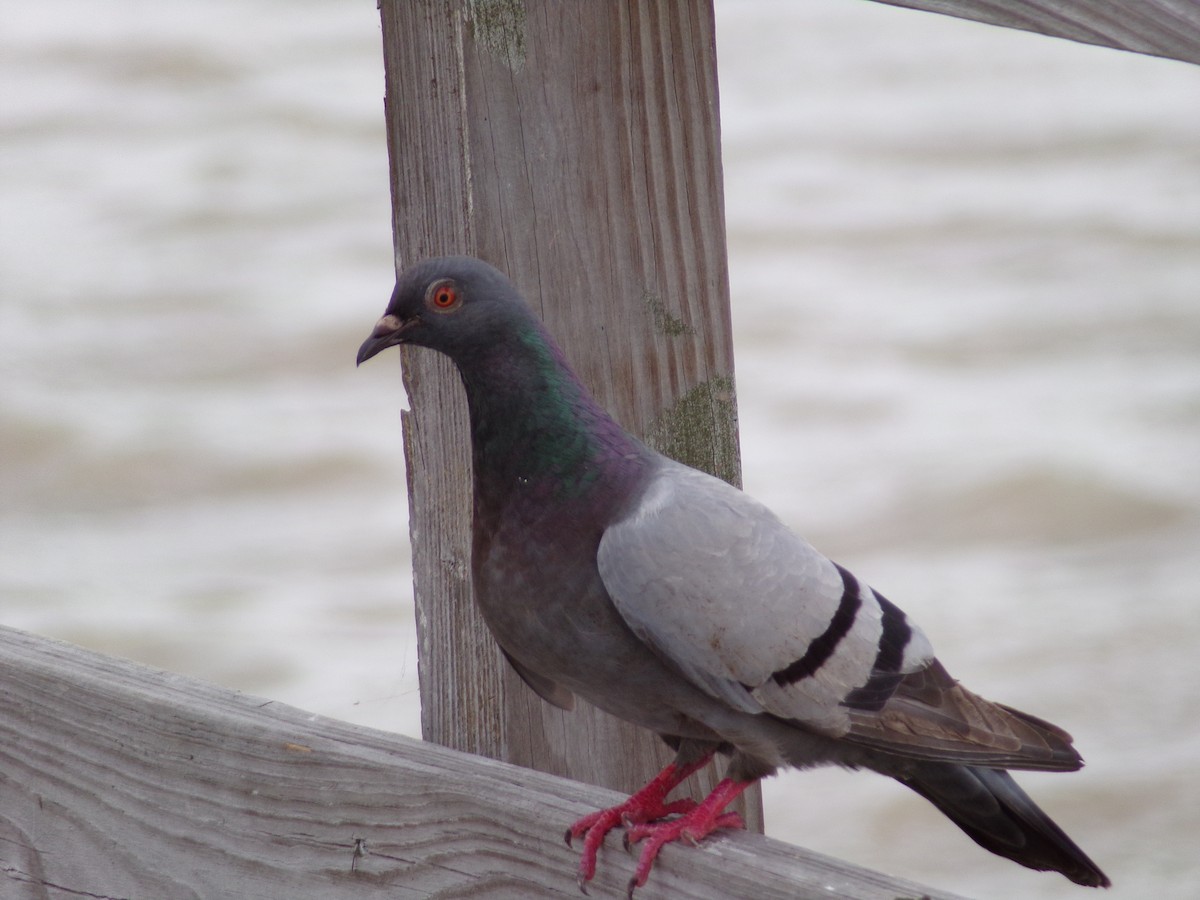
122	781
1168	28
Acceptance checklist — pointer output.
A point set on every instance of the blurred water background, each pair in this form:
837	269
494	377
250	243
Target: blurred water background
966	283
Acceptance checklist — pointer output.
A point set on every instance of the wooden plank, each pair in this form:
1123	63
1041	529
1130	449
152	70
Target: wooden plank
577	147
1169	28
121	781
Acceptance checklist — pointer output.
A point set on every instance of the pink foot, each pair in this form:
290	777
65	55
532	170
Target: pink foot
692	827
645	806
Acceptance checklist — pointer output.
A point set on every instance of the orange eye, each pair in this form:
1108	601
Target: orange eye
442	296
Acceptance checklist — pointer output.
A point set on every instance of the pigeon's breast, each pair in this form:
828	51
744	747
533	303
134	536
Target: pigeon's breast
536	581
540	593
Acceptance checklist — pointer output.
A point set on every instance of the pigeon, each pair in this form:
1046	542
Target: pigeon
675	601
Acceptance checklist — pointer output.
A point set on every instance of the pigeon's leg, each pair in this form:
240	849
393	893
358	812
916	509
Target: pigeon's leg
693	826
646	805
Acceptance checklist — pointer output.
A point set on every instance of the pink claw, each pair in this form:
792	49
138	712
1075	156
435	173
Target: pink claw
691	827
643	817
647	805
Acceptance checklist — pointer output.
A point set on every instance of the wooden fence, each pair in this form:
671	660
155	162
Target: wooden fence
578	146
121	781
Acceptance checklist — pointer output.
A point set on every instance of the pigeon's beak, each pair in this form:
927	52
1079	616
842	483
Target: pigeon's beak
388	332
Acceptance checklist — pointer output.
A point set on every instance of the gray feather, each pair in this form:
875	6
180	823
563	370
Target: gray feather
716	584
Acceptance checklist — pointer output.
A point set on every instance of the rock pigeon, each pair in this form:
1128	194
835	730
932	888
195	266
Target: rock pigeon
670	599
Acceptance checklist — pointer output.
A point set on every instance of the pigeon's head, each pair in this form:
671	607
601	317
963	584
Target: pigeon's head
451	304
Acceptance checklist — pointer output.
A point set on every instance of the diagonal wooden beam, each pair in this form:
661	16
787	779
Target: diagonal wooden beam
119	781
1168	28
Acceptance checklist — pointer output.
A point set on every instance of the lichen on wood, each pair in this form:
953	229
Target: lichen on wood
700	429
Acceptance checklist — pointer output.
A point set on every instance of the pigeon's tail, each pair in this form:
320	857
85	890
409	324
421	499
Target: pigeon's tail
995	813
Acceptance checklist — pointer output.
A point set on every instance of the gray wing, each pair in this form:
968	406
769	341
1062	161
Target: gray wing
750	612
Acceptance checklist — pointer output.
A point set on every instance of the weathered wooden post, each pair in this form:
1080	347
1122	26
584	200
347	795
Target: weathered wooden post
577	147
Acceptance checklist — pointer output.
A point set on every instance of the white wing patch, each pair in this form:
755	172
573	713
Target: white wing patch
716	584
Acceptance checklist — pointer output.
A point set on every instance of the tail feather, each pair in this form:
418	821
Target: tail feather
992	809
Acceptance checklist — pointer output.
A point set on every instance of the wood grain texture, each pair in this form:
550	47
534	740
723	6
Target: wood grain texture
121	781
1169	28
576	146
